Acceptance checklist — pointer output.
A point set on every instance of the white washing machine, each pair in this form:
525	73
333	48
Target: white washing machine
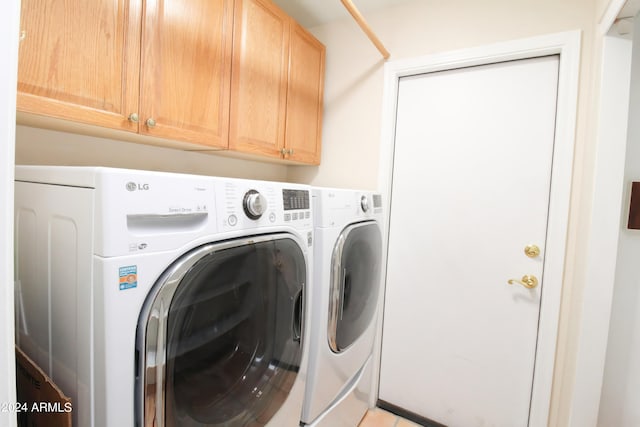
165	299
345	293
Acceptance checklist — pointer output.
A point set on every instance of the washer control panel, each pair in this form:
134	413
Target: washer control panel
249	204
296	204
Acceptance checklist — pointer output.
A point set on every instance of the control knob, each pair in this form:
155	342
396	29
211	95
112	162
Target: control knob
364	203
254	204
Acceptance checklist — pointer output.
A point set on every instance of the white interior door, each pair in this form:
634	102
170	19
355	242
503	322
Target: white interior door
471	183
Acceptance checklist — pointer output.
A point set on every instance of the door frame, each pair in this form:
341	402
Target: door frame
10	19
567	46
611	195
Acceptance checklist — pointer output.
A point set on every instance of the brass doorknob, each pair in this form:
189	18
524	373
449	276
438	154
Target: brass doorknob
528	281
531	251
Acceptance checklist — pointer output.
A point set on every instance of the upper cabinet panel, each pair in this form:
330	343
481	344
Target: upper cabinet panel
259	81
304	97
186	70
79	60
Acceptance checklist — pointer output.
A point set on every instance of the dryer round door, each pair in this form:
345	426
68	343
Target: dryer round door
219	339
355	283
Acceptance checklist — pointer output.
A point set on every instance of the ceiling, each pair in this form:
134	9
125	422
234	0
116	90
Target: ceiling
311	13
630	9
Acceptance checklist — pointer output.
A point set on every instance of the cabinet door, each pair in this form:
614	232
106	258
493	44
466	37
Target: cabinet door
79	60
185	71
259	80
304	97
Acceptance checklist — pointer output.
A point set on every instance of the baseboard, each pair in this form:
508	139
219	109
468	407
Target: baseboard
411	416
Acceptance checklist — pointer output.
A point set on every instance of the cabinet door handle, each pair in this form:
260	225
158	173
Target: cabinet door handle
286	152
133	117
151	123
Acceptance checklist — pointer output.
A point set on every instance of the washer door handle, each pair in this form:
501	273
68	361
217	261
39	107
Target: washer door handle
298	307
343	287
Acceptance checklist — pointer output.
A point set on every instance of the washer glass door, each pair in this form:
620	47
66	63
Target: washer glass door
355	283
222	332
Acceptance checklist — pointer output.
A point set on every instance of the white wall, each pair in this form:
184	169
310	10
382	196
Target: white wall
353	105
9	15
621	388
47	147
601	7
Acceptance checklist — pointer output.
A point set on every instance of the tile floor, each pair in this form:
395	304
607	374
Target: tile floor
380	418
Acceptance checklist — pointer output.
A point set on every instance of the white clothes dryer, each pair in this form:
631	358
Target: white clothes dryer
344	295
165	299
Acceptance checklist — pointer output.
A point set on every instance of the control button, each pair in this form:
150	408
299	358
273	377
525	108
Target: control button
254	204
287	217
364	203
232	220
272	217
307	214
295	216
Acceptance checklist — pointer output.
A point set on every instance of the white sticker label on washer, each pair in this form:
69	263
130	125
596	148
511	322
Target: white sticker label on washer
128	277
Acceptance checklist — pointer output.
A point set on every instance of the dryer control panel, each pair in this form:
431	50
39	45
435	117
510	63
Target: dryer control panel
334	206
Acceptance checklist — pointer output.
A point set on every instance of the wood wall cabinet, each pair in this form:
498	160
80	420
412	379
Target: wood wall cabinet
158	67
79	60
211	74
277	85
